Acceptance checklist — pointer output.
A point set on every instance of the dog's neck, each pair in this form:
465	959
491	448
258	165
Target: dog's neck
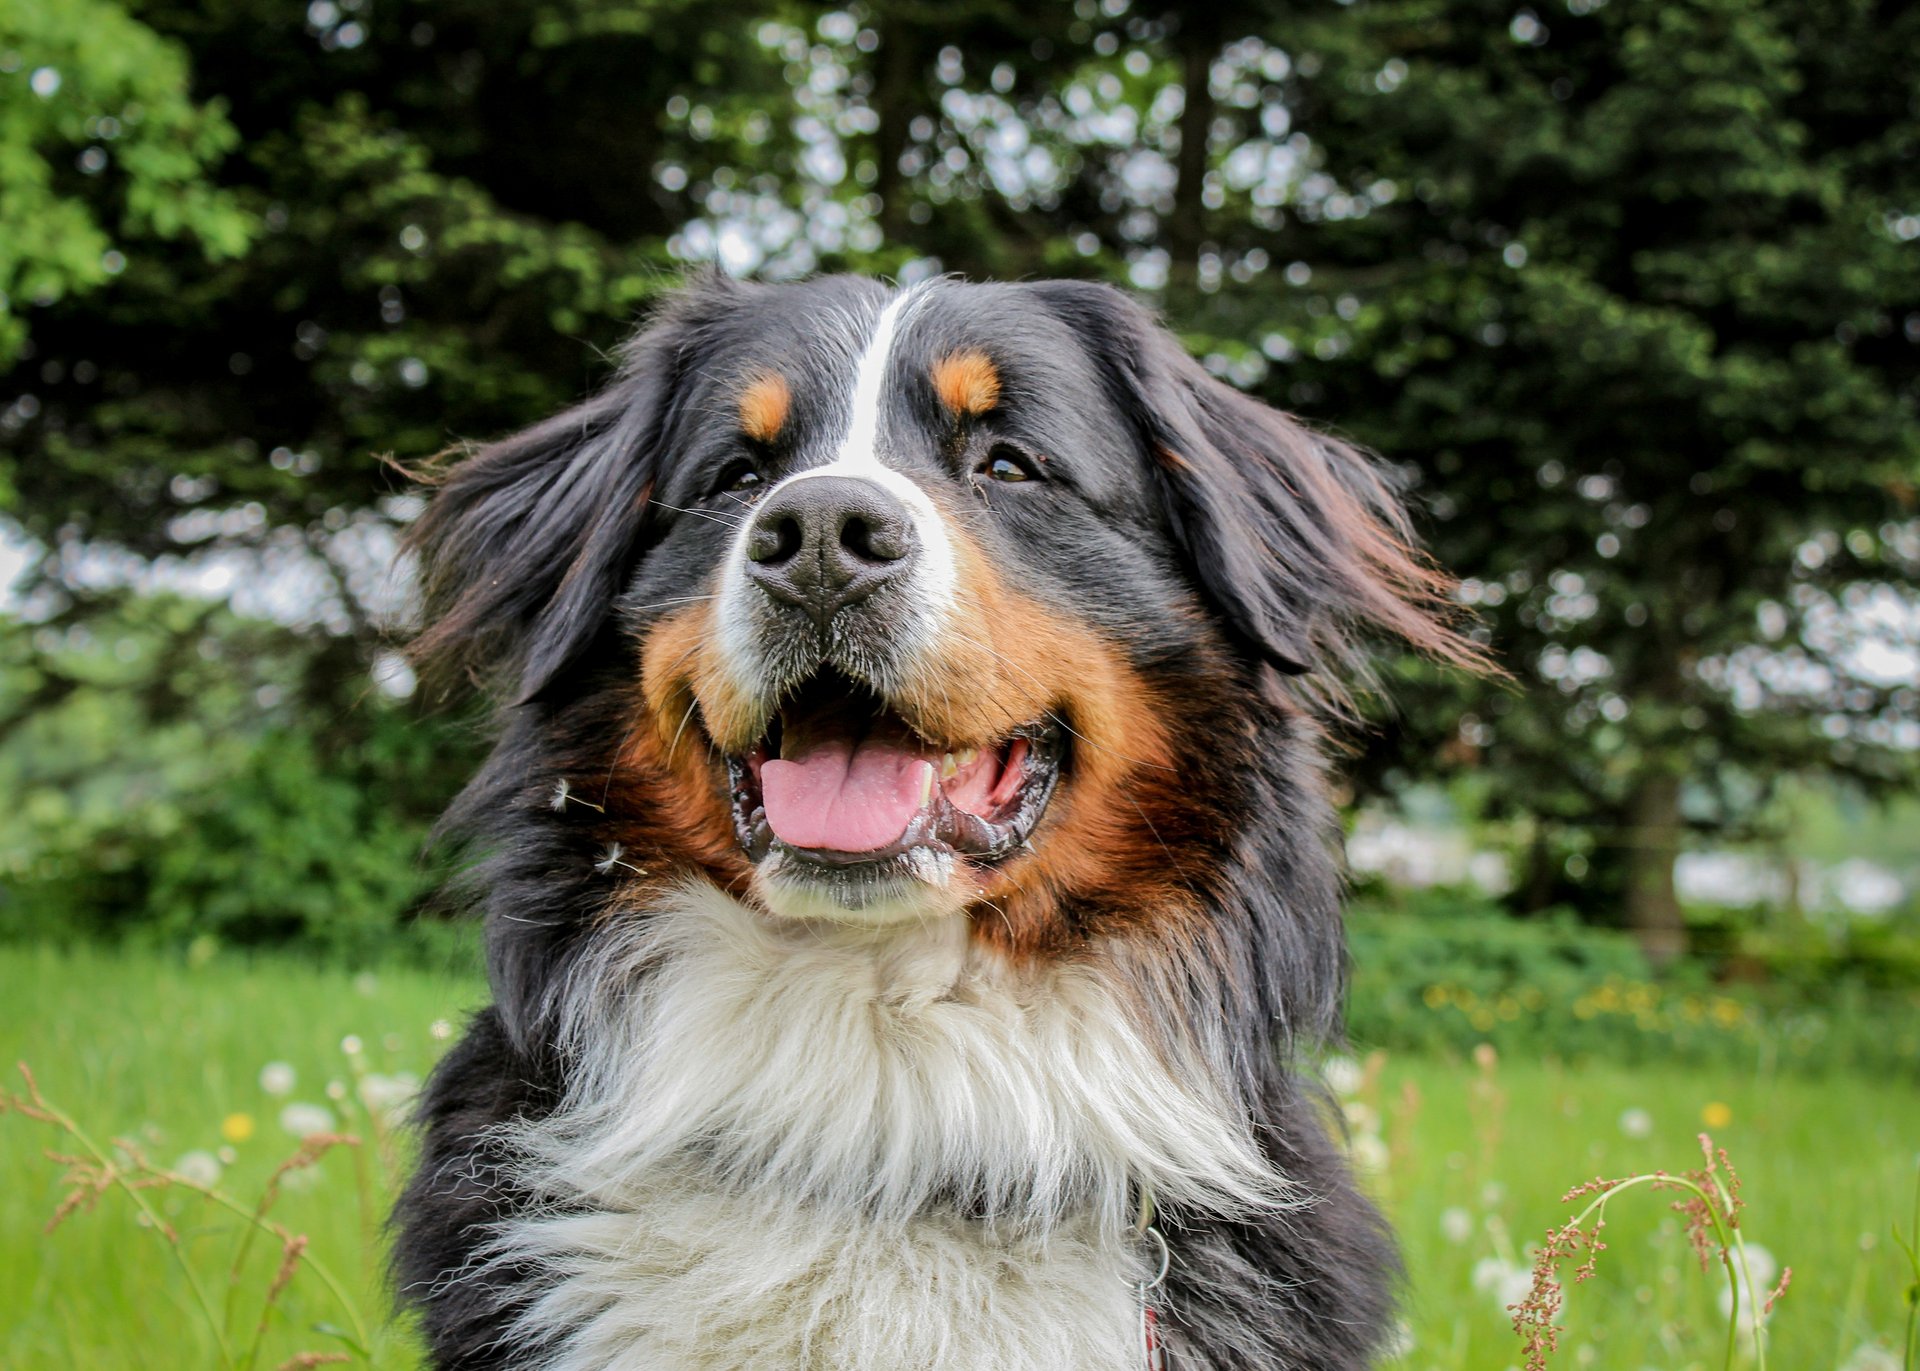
881	1071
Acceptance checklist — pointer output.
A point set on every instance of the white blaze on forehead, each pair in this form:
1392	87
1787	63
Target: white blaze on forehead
862	442
926	598
859	455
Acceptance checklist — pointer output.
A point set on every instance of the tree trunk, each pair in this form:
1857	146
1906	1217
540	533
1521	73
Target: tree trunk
896	89
1653	904
1197	42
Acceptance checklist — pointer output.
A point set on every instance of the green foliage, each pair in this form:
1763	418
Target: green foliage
1627	291
173	784
1442	971
101	147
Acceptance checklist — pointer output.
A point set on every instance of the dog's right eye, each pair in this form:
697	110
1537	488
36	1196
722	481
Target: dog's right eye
737	478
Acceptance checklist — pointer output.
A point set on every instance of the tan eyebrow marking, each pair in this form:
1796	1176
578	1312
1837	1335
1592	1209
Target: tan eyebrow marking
763	407
967	382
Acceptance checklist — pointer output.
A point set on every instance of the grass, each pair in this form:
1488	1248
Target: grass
1471	1160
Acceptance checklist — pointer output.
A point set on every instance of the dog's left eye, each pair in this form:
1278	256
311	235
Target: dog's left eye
1006	463
737	476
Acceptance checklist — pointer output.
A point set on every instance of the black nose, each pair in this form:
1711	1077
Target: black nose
824	542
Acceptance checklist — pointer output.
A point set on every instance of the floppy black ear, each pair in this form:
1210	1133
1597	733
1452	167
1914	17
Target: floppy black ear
1295	539
526	542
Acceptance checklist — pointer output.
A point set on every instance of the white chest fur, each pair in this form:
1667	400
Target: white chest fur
772	1130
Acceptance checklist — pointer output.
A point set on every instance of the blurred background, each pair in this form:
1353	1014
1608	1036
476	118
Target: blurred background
1628	292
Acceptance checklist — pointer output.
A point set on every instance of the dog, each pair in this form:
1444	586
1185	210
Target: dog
912	899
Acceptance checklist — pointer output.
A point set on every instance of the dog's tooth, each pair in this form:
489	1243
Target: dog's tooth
948	767
926	784
968	757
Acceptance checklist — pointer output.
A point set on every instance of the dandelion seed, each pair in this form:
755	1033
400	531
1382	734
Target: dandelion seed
612	857
277	1078
304	1120
200	1167
563	796
237	1128
1636	1123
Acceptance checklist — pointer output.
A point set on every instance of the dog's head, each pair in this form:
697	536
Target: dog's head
875	603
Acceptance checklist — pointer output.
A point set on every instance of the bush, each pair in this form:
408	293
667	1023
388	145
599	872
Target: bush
1442	971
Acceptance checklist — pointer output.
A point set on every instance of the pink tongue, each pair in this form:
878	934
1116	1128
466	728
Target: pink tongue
845	797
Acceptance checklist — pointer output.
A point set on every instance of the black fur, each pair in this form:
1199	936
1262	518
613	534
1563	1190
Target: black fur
544	553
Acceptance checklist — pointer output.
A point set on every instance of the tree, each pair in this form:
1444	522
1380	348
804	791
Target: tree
1629	293
1633	289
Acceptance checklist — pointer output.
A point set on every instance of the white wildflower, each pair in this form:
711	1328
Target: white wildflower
304	1120
351	1045
439	1030
202	1168
1869	1356
1369	1153
1636	1123
1456	1224
277	1078
1508	1282
1344	1075
387	1097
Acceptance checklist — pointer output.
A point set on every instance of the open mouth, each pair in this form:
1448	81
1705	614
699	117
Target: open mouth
842	781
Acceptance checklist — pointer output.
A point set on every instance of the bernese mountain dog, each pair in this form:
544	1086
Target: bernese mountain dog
911	892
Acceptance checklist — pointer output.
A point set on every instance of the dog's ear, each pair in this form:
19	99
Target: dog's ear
1296	539
526	542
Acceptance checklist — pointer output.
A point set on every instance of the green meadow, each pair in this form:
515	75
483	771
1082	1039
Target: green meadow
213	1067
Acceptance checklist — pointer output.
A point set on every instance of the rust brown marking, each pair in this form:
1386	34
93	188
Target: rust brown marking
763	407
687	688
967	382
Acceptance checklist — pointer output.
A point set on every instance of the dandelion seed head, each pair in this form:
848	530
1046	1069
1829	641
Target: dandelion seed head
1369	1153
351	1045
199	1166
1344	1075
277	1078
388	1096
439	1030
1636	1123
336	1090
304	1120
1456	1224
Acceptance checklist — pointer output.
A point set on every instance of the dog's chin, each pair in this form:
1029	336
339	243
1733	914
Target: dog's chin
874	895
